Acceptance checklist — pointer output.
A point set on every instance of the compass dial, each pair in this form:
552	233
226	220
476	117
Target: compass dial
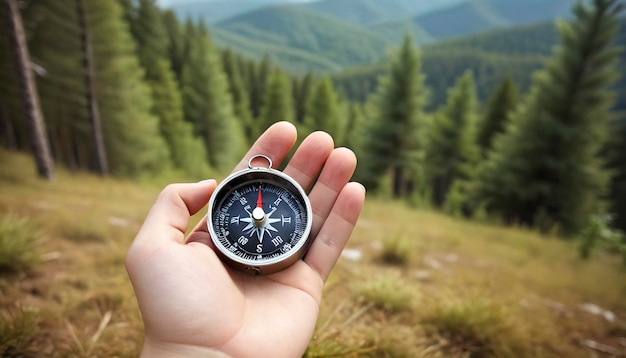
260	220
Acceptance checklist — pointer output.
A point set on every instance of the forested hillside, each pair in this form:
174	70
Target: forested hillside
299	28
493	55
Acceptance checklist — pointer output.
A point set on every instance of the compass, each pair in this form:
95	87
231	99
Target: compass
260	219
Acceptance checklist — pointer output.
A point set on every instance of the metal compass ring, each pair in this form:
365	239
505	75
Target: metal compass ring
269	161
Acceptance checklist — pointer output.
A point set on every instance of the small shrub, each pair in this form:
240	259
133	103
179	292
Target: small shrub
18	330
19	245
477	326
598	233
388	292
396	251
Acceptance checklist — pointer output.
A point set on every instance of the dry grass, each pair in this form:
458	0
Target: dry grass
453	289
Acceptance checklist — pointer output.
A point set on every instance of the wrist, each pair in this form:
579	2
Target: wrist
175	350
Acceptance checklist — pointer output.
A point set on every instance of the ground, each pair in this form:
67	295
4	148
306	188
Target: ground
412	283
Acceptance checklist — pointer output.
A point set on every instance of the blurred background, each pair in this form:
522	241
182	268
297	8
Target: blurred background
491	136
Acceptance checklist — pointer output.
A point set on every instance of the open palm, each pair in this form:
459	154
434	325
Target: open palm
191	303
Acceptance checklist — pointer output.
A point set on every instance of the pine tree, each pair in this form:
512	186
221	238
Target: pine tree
453	152
207	102
545	170
260	77
239	94
323	111
394	140
186	151
277	103
133	142
354	128
175	43
30	98
302	88
501	103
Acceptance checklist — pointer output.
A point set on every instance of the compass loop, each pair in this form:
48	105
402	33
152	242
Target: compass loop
269	161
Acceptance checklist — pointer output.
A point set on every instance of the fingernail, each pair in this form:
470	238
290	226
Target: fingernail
206	181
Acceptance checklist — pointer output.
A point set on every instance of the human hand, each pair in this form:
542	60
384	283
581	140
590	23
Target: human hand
194	305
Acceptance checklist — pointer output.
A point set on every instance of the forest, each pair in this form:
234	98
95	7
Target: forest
449	125
495	166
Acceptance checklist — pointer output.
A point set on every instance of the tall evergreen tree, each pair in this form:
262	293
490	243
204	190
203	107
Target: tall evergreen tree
394	140
323	111
207	102
546	170
30	98
260	77
501	103
186	151
354	128
239	94
277	102
302	88
175	43
133	142
453	152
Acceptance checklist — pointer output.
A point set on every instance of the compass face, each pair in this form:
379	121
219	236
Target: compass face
260	220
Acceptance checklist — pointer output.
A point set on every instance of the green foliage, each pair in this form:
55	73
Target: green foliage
453	152
131	132
547	164
597	233
207	101
395	134
20	240
277	102
501	103
324	113
354	128
241	101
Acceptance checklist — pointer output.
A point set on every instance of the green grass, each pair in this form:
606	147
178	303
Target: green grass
460	288
19	244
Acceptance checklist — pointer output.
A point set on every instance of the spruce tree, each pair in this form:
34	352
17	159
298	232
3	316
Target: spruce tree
354	128
277	103
186	151
302	88
453	152
260	74
501	103
394	142
324	112
175	43
131	133
545	170
238	93
33	116
207	102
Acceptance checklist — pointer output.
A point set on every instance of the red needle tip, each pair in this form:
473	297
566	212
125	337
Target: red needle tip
259	201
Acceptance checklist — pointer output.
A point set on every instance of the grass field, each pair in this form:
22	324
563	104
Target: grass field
411	284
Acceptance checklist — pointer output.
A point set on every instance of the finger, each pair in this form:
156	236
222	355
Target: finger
275	143
309	158
169	216
334	234
336	173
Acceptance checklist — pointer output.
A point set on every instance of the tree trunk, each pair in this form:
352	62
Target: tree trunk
32	111
102	165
